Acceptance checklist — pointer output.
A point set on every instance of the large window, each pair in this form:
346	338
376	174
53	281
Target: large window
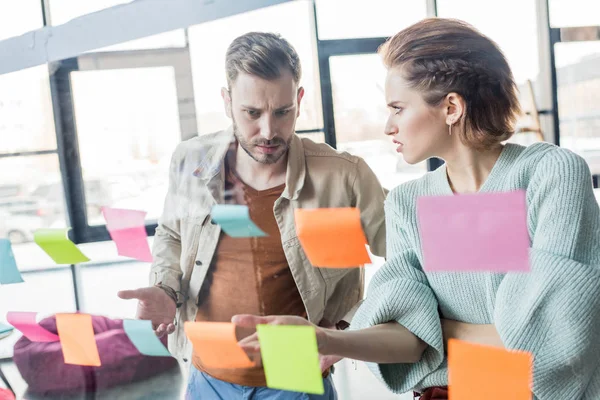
360	19
565	13
208	45
19	17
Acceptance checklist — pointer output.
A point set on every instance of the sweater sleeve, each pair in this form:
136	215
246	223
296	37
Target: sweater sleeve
400	292
553	311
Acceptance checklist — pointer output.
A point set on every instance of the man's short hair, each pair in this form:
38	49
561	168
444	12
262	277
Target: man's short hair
261	54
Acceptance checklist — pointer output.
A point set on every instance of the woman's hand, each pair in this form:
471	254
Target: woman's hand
475	333
251	345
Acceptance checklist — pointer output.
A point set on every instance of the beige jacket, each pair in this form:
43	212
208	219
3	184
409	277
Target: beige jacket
317	176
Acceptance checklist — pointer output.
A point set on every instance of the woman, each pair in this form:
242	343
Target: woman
452	95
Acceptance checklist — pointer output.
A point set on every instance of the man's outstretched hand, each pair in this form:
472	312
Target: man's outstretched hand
153	304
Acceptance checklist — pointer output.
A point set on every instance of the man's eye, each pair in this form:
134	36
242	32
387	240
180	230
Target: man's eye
252	113
283	112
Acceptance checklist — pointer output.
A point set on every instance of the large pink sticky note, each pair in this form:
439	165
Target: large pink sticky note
474	232
127	230
26	323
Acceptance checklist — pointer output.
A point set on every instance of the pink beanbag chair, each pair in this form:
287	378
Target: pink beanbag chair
42	365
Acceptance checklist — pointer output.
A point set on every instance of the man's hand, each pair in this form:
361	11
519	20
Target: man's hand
153	304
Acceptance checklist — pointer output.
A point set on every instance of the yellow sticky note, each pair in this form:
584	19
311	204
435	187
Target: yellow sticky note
77	339
483	372
290	358
57	245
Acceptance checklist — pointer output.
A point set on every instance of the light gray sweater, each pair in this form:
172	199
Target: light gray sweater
552	312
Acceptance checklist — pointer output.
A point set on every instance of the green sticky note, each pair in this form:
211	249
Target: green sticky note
290	358
57	245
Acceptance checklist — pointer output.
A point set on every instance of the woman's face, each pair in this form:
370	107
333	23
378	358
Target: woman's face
418	129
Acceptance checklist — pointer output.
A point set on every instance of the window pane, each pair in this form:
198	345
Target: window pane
360	116
127	126
31	197
208	45
578	75
46	292
26	120
100	283
518	39
18	17
360	19
63	11
564	13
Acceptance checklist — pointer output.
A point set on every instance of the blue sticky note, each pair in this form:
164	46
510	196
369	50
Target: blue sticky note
9	273
5	328
235	220
144	339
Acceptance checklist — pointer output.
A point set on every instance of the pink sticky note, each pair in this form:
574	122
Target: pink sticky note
127	230
26	323
474	232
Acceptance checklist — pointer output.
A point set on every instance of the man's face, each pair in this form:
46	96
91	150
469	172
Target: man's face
264	114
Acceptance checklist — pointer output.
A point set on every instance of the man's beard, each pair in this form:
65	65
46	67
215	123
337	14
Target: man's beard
282	149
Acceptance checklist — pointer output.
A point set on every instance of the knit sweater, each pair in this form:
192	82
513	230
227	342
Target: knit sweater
553	311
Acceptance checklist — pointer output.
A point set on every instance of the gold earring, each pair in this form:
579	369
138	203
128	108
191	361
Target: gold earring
450	129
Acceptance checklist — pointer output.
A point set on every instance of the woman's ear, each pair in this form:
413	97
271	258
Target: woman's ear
455	108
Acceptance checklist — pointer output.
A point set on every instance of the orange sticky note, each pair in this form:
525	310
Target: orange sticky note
216	345
76	335
332	237
483	372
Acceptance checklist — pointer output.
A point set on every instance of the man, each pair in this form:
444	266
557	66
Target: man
200	273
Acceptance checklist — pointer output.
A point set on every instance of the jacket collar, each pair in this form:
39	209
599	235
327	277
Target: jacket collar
212	164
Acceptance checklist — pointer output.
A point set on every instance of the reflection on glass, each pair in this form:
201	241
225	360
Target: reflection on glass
578	66
360	19
512	24
18	17
26	120
63	11
128	126
360	115
208	45
26	207
565	13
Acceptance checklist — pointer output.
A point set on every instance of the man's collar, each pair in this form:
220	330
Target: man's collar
213	161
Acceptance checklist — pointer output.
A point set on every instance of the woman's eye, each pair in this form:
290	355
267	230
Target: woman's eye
397	110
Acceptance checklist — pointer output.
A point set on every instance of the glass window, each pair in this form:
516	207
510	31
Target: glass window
45	292
28	204
100	283
26	119
518	39
360	19
18	17
578	75
128	126
62	11
565	13
208	45
360	115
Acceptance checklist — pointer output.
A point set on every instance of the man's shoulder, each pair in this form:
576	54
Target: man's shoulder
313	149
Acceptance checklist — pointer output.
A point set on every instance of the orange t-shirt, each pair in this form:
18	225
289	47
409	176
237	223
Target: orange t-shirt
249	276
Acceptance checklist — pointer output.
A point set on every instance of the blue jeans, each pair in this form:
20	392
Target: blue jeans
204	387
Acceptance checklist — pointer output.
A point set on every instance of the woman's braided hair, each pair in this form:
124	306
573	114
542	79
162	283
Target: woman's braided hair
438	56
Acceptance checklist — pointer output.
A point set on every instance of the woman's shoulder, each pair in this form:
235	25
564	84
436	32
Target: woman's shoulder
558	162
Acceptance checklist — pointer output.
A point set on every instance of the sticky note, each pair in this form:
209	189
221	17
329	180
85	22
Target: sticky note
144	338
290	358
216	345
482	372
474	232
5	330
235	221
27	324
127	229
57	245
9	272
77	339
332	237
